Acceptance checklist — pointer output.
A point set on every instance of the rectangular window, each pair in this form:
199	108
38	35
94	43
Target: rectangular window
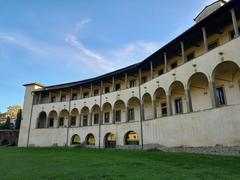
173	65
190	57
132	83
164	109
131	115
51	122
107	89
85	95
118	116
106	117
73	120
220	96
85	120
178	106
96	118
61	122
53	99
74	97
63	98
117	87
212	45
95	92
160	72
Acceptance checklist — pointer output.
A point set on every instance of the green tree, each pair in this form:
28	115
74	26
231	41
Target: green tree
7	125
13	110
18	120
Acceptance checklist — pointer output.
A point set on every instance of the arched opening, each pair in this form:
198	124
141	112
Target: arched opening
74	120
42	120
96	114
226	77
63	118
90	139
85	116
199	91
133	109
52	119
110	140
120	111
147	106
131	138
160	102
5	142
178	99
75	139
107	113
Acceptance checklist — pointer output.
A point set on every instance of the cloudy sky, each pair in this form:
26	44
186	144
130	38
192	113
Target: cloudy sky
58	41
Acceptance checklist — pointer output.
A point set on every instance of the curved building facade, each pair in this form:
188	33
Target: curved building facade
185	94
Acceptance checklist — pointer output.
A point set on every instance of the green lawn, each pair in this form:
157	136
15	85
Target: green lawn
64	163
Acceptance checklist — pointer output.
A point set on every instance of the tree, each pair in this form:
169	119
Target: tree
13	110
18	120
7	125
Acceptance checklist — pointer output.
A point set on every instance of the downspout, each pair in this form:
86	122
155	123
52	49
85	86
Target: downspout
29	127
141	112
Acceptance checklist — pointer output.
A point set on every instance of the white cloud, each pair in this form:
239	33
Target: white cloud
79	25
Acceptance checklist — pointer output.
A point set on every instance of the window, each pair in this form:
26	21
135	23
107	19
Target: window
74	97
164	109
107	89
131	114
95	92
51	122
144	79
178	106
106	117
212	45
118	116
53	99
63	98
85	120
117	87
220	96
190	56
73	121
85	95
160	72
132	83
61	122
173	65
96	118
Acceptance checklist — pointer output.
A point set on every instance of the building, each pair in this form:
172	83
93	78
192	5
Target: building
185	94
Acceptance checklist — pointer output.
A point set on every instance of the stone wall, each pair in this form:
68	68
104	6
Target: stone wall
9	137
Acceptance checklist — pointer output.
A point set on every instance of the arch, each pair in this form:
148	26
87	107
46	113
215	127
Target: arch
198	87
110	140
160	102
226	82
63	118
147	106
52	118
131	138
75	139
85	116
74	119
42	120
95	111
107	112
90	139
133	109
120	111
4	142
178	98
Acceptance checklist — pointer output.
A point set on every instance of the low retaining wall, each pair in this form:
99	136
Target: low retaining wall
8	137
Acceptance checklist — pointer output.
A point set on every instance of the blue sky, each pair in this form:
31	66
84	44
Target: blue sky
58	41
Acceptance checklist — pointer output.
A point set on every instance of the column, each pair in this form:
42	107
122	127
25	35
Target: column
154	109
91	90
151	69
169	105
113	116
234	21
183	52
81	93
140	76
126	80
39	98
101	88
212	90
205	39
188	101
113	84
49	96
165	62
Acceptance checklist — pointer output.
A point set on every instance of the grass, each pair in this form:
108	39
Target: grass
64	163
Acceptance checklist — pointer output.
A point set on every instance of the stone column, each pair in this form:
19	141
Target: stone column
126	80
81	92
154	109
212	90
91	90
183	52
169	104
205	41
188	100
165	62
113	83
151	69
113	116
39	98
49	96
234	21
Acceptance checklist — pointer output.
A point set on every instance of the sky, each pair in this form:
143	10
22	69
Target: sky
58	41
